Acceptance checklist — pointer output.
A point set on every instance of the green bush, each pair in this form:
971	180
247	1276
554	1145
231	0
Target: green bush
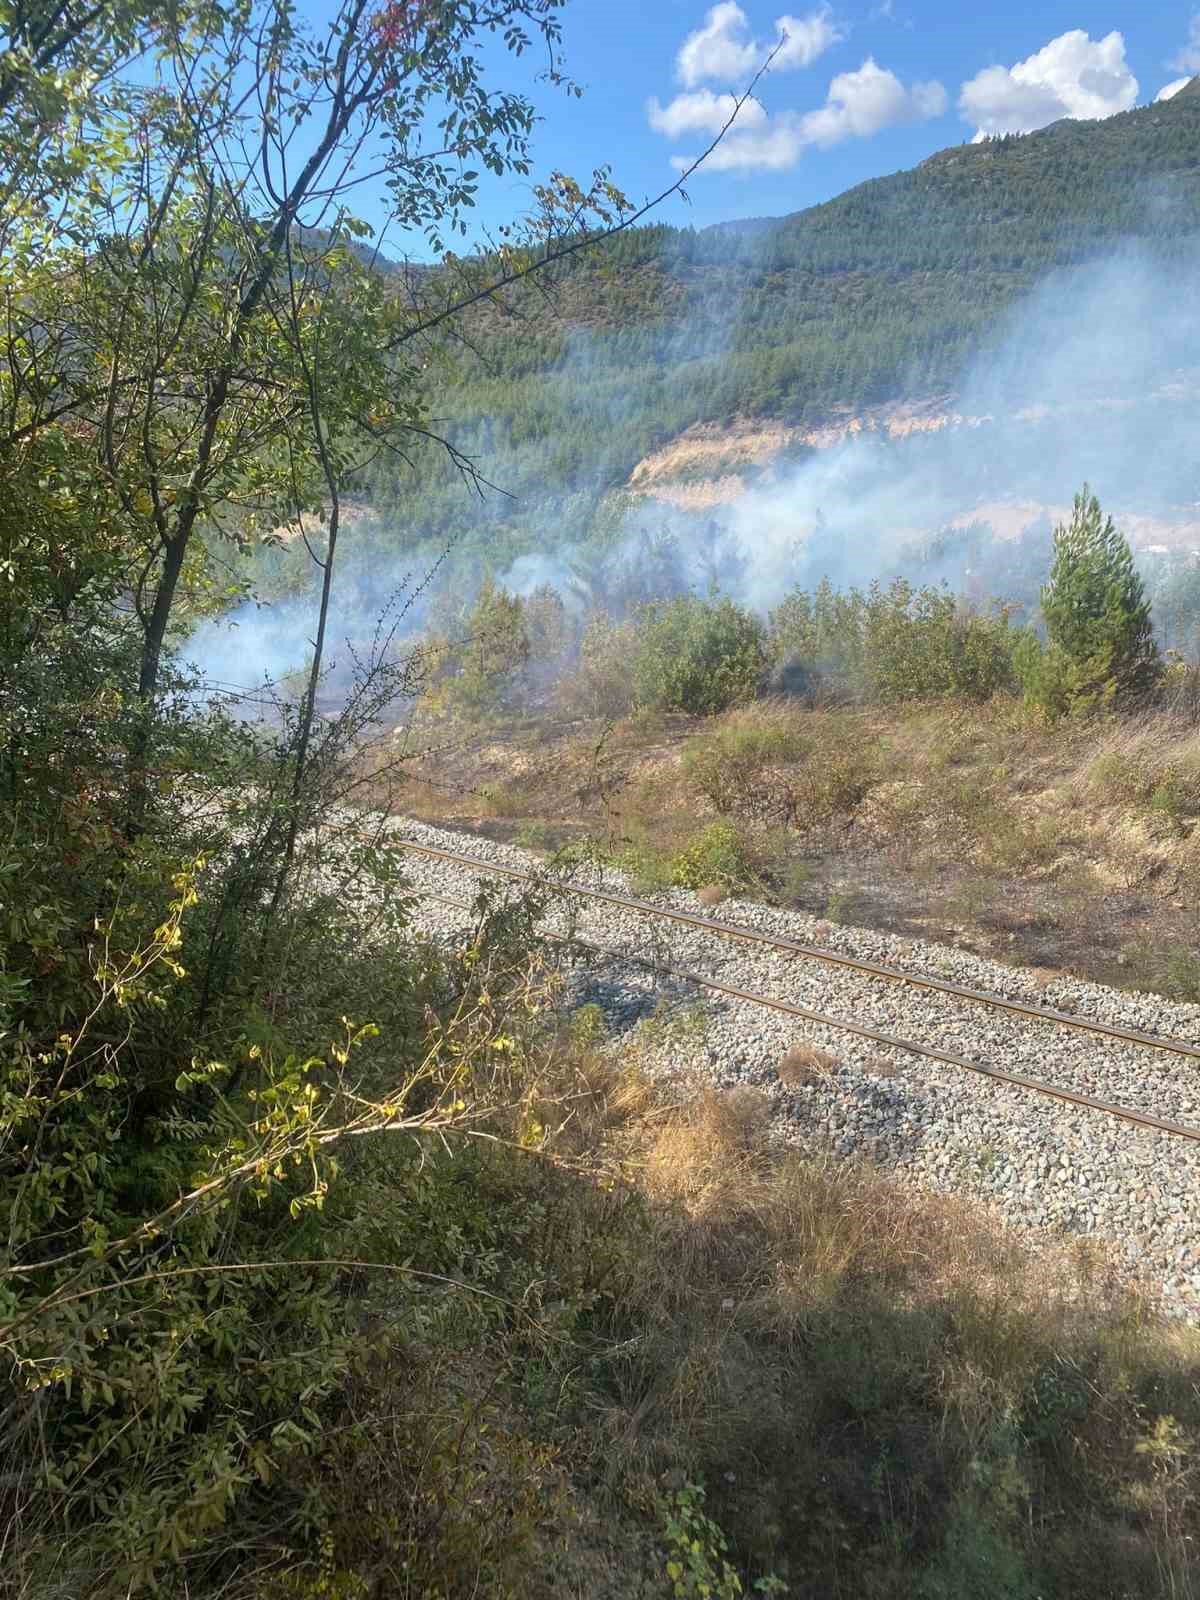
698	656
184	1286
816	642
491	654
717	854
889	645
923	644
601	682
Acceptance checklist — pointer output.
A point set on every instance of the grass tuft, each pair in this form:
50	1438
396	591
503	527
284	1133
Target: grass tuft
805	1063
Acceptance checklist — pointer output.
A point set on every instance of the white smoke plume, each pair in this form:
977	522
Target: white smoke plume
1094	376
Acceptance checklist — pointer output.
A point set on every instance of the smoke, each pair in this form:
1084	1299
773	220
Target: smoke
252	645
378	611
1095	377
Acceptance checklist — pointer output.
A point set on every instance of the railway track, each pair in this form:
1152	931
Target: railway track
815	953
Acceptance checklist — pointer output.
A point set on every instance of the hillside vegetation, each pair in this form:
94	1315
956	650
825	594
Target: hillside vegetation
879	295
899	755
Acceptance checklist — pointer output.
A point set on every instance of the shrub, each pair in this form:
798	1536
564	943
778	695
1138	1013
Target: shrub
797	881
729	766
923	644
492	655
601	682
762	767
816	643
717	855
891	644
1152	768
698	656
831	785
697	1565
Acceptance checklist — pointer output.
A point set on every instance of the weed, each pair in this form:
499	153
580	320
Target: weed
587	1026
1120	773
501	800
716	855
842	905
832	785
797	878
1181	973
649	871
697	1562
697	1568
536	836
1016	842
716	858
970	899
1079	881
805	1063
1172	802
1151	766
986	1157
735	768
679	1026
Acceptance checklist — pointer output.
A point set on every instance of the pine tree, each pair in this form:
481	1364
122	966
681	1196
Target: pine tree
1101	640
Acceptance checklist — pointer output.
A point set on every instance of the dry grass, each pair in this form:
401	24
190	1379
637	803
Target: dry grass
1134	757
1057	847
886	1394
795	1323
710	1157
805	1063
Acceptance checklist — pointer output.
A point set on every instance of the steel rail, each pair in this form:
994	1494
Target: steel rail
876	969
1145	1119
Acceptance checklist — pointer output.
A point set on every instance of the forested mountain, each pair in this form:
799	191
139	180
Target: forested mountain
880	294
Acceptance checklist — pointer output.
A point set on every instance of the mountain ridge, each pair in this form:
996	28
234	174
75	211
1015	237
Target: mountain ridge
879	297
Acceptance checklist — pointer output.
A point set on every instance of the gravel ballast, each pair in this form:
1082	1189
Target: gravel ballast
1043	1163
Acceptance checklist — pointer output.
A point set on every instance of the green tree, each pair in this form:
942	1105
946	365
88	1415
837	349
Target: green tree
491	655
1100	641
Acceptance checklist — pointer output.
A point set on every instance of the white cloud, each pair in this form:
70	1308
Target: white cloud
701	112
724	51
719	49
863	102
1170	90
1188	59
1072	76
858	104
773	146
804	39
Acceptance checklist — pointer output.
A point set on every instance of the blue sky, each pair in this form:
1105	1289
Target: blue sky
859	89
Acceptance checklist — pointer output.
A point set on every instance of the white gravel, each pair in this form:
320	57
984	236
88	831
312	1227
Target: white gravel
1044	1164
